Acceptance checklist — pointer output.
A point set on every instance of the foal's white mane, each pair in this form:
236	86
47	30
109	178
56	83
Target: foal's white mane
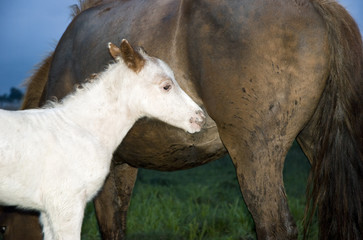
96	80
105	99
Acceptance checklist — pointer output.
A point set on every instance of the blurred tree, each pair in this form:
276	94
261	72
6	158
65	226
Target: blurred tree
3	98
15	95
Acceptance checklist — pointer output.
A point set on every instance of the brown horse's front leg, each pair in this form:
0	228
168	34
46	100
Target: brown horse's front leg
113	201
259	168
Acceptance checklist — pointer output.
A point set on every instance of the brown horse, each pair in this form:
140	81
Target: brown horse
266	72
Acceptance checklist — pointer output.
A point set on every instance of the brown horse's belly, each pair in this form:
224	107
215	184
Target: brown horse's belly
154	145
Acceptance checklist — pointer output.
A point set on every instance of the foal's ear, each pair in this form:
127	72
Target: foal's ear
132	58
114	51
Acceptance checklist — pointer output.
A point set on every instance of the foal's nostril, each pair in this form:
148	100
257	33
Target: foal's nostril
200	112
201	119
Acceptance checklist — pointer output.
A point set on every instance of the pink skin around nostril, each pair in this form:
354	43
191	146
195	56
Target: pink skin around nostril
199	120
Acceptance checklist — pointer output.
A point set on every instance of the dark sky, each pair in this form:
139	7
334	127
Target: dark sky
31	28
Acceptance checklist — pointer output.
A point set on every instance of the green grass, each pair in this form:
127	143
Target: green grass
200	203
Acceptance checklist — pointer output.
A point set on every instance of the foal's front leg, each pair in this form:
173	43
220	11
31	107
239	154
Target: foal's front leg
46	224
63	220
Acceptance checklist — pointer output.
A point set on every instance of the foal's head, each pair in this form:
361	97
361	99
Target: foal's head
154	91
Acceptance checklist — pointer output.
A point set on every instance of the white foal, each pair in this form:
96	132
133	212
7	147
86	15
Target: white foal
56	159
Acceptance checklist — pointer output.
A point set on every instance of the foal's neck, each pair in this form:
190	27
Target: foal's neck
101	107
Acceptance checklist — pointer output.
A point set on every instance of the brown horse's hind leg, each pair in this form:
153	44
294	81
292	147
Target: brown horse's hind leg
259	164
257	122
113	201
305	141
16	224
257	133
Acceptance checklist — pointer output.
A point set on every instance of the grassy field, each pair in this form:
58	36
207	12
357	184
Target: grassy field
201	203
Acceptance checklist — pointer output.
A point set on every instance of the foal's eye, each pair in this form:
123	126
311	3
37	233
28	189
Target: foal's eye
167	87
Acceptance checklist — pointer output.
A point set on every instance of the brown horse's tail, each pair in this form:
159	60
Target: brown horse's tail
36	84
336	181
